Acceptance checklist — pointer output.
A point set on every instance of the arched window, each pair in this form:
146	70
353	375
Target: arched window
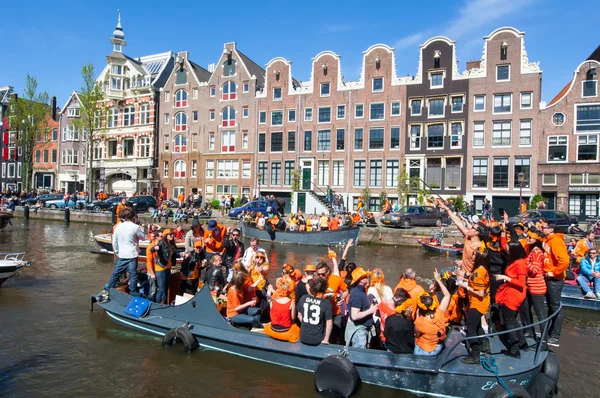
181	98
179	168
180	122
180	143
229	90
229	67
228	116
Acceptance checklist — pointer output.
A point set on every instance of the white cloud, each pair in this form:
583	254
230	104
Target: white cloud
410	41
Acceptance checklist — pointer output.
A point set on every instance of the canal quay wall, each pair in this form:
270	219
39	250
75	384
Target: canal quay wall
379	235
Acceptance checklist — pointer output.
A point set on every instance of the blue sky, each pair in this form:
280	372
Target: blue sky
52	40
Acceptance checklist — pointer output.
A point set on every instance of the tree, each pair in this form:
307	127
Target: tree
382	199
90	118
534	201
296	179
27	117
403	187
366	193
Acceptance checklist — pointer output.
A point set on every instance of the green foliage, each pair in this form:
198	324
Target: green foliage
458	202
534	201
404	186
296	179
237	202
366	194
382	198
215	204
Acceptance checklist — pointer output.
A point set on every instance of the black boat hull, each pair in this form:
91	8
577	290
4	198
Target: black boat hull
322	238
444	249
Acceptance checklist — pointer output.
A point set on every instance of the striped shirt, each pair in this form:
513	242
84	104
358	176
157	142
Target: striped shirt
535	275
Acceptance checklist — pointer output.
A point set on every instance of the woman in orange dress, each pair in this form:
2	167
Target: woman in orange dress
283	314
430	326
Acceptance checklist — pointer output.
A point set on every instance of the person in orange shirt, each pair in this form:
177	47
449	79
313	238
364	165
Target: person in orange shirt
584	245
214	236
121	206
181	199
430	326
150	260
239	311
337	291
334	224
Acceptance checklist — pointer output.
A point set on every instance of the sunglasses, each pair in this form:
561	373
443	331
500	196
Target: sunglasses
321	273
235	234
593	253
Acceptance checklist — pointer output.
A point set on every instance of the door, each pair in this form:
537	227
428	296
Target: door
48	181
306	178
302	201
510	204
583	206
550	199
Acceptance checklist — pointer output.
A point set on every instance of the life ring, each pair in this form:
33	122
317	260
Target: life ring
551	366
338	375
543	386
182	333
499	391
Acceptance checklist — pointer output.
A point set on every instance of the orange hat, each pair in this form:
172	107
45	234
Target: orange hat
260	254
288	268
167	231
310	268
296	275
377	276
358	274
198	243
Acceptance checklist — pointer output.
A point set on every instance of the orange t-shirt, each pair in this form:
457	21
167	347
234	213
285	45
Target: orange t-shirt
334	224
119	208
480	280
215	244
467	257
181	197
234	300
150	257
336	285
432	331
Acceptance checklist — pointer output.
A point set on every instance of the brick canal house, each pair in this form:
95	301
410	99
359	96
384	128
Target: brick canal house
220	123
11	164
72	159
569	165
346	135
45	151
503	109
124	156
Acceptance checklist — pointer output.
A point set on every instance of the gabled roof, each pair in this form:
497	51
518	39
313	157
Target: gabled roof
595	55
201	74
74	94
560	94
253	68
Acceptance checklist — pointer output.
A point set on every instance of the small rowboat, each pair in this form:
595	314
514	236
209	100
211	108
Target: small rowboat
10	264
105	242
440	248
321	238
572	296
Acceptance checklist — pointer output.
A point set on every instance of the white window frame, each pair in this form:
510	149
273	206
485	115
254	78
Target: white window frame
165	173
306	119
530	99
409	133
595	88
501	66
462	108
246	169
271	118
195	93
510	136
462	133
245	140
392	108
318	113
420	108
265	122
337	112
557	143
209	169
437	72
575	109
475	102
530	132
597	146
289	119
443	115
371	113
373	85
280	98
245	86
211	141
328	89
548	184
483	135
212	114
425	135
231	165
494	104
166	118
564	119
363	111
182	165
245	112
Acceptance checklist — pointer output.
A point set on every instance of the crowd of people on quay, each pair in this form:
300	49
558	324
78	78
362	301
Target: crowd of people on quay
508	273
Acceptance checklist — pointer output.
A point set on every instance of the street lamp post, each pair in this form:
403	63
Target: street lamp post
521	180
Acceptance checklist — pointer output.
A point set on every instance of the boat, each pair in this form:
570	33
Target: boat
105	243
320	238
437	247
5	219
10	264
441	375
572	296
141	258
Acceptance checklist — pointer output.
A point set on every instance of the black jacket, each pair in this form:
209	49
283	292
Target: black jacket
190	262
229	253
164	253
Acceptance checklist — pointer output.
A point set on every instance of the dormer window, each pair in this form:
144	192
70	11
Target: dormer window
502	73
377	84
181	77
277	94
229	67
73	112
116	69
589	88
437	79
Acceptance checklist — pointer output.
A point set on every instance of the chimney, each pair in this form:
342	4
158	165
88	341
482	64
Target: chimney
211	68
53	105
473	64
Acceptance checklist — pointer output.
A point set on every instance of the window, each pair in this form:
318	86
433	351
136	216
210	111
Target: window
210	169
167	96
415	136
113	118
277	118
391	173
338	173
502	73
526	101
195	116
377	112
291	141
437	80
228	141
359	111
245	112
308	114
211	114
457	104
436	107
325	90
112	148
522	165
456	131
245	140
323	140
229	67
500	173
128	148
341	111
228	116
360	173
179	169
195	93
479	103
181	77
211	141
54	134
339	139
358	139
11	170
181	98
323	172
276	173
415	107
288	169
144	147
375	172
277	142
307	141
291	115
548	179
144	114
262	142
376	138
37	155
453	171
501	133
557	148
73	112
589	88
558	119
97	150
277	94
229	91
324	115
262	117
377	84
228	168
53	158
502	103
525	133
395	138
246	169
587	148
180	122
263	172
166	118
246	87
433	173
435	136
588	118
213	91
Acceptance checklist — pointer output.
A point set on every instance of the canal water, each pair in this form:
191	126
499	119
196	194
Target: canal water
52	345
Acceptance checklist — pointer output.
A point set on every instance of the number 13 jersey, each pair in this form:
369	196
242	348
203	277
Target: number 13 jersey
315	313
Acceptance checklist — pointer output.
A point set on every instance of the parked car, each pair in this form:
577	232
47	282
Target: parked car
426	216
563	220
142	203
43	198
255	205
60	204
104	205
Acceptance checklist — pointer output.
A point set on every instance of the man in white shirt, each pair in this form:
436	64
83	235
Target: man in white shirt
251	251
125	240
